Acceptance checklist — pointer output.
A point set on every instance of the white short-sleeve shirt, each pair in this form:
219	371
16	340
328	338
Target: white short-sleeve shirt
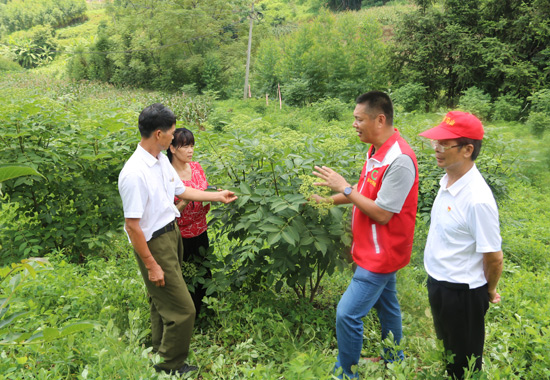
464	225
147	186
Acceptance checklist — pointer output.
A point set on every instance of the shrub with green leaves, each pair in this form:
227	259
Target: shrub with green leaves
540	101
77	207
278	237
334	55
25	14
330	109
507	107
538	123
477	102
37	47
410	97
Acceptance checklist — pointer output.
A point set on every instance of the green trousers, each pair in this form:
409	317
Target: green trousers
172	308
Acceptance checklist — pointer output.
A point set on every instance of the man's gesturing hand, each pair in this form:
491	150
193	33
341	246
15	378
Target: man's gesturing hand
331	179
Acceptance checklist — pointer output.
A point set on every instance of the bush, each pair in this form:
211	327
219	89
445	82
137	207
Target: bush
297	92
538	123
25	14
539	117
330	109
7	64
277	237
78	206
38	48
540	101
333	55
410	97
476	102
507	107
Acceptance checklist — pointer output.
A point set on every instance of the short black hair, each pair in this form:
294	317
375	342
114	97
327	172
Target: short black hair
182	137
379	102
462	141
154	117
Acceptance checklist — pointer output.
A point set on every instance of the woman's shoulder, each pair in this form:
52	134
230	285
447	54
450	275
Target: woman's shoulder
196	166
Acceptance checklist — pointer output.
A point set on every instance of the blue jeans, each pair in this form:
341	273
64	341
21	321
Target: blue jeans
366	290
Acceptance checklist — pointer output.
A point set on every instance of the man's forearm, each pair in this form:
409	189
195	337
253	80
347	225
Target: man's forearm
370	208
140	246
492	267
137	237
339	199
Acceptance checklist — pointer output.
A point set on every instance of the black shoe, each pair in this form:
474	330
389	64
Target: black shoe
180	371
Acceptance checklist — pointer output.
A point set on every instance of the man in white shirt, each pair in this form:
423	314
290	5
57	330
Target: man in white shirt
147	186
463	255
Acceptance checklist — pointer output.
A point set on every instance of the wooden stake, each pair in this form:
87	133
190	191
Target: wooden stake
280	98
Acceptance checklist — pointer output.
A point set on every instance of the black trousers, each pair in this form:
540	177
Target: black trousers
193	253
459	320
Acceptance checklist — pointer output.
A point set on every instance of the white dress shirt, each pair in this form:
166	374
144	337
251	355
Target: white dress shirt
147	186
464	225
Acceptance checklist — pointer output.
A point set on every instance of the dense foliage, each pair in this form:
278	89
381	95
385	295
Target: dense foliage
278	237
501	47
333	56
166	45
33	48
248	331
24	14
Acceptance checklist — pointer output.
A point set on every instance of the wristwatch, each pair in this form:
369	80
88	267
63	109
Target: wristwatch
347	191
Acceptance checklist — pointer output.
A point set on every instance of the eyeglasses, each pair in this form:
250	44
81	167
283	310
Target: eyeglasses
441	148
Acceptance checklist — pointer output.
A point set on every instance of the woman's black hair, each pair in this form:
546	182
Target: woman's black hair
182	137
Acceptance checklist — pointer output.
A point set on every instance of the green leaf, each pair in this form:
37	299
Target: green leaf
50	333
10	172
245	188
269	228
273	238
5	322
78	327
321	246
275	220
280	207
288	237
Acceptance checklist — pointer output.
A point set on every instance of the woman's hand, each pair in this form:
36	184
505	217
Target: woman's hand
226	196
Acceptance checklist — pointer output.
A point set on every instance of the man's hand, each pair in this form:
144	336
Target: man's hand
226	196
494	297
331	179
156	275
317	198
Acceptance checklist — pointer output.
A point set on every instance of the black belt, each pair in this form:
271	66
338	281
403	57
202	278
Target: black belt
167	228
449	285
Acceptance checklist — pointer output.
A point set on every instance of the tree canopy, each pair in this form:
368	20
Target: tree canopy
501	47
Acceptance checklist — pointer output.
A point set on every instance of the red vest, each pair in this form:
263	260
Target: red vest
384	248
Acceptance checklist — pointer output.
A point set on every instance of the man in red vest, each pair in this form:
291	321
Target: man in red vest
384	213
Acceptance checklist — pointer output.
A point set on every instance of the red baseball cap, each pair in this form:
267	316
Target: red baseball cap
456	124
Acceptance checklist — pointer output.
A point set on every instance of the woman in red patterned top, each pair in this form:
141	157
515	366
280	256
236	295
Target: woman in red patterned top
192	222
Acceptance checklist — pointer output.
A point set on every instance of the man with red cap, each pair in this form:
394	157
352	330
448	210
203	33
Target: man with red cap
463	255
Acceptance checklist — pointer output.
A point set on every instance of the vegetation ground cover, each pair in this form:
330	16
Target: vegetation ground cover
255	332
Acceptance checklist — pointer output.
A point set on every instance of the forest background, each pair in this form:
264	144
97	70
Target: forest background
75	75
